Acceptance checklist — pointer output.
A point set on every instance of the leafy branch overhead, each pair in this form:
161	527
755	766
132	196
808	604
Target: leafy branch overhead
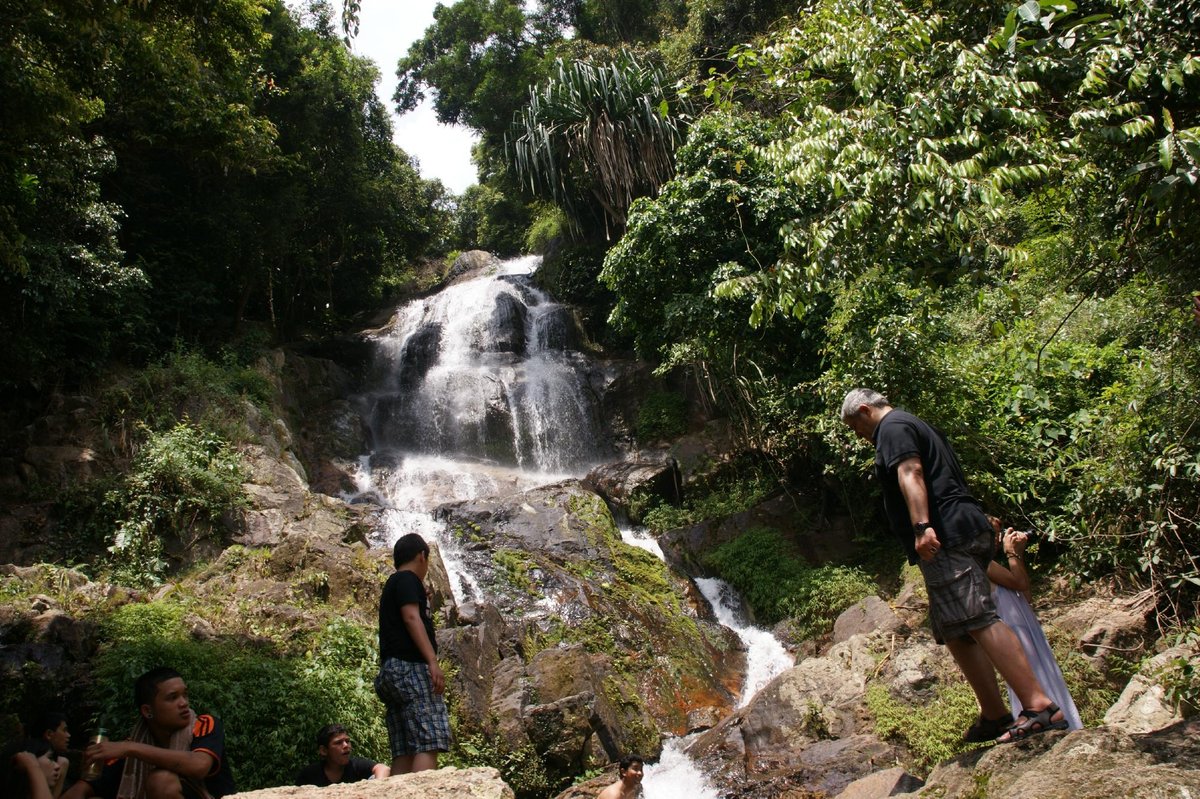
601	132
905	143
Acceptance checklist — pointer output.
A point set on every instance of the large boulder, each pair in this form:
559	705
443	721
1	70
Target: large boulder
603	648
804	729
627	485
1143	705
1109	625
1103	763
443	783
866	616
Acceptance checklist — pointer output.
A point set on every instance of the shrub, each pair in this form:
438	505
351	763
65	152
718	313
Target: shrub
931	732
662	415
1181	676
740	488
271	704
184	385
778	585
181	483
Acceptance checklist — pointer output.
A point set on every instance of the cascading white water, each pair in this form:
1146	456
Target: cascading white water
676	775
765	656
486	370
482	391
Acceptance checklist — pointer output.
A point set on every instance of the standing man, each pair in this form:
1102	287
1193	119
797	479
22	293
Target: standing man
410	681
945	532
629	781
337	764
172	753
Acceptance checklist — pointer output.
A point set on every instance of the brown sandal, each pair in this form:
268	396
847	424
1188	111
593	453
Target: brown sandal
985	729
1034	722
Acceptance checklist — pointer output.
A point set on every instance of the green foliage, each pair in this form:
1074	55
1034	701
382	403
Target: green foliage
549	223
1180	678
271	704
722	496
182	481
173	171
931	731
987	214
489	218
598	134
778	585
183	384
521	768
662	415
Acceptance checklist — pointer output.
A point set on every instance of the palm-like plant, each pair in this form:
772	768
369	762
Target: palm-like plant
602	132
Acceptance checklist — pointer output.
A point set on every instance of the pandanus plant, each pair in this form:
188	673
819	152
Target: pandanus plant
598	134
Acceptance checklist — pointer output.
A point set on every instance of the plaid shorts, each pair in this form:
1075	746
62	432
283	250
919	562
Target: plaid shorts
417	720
960	596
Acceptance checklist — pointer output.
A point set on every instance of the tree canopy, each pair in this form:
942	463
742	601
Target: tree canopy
173	172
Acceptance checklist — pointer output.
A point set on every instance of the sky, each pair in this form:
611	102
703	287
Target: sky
386	29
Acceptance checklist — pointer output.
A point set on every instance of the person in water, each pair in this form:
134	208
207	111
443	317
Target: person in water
629	780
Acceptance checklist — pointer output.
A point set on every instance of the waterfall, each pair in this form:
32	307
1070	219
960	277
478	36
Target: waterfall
488	371
676	775
765	656
482	390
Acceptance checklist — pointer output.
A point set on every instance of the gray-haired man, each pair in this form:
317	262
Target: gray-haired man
944	531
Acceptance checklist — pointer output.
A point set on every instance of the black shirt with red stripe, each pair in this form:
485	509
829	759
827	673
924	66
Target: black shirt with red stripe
208	736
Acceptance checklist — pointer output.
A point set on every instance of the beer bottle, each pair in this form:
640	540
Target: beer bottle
94	767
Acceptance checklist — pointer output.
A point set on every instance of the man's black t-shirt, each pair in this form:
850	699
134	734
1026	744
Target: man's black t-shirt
208	736
953	512
359	768
402	588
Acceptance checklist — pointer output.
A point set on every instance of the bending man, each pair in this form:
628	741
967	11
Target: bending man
945	532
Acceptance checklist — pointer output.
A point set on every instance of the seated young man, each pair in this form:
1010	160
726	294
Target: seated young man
336	764
170	753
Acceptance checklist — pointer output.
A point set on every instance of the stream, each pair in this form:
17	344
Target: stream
483	389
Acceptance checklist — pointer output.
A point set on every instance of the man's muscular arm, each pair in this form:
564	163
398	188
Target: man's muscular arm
911	476
196	765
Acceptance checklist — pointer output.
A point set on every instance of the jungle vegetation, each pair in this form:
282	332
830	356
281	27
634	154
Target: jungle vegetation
988	211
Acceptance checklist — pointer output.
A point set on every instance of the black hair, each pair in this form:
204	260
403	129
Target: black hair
328	732
628	761
408	547
47	722
145	688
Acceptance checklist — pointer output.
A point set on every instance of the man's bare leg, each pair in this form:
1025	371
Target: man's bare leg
1004	650
402	764
424	761
973	661
163	784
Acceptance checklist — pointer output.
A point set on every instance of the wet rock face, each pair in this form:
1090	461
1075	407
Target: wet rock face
602	648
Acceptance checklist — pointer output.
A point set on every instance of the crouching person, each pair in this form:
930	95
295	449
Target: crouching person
171	753
337	764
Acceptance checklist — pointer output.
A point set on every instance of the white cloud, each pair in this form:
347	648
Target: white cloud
386	29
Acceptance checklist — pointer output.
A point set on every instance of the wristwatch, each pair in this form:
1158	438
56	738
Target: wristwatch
921	527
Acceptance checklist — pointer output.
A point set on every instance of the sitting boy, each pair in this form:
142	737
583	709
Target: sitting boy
336	764
170	753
